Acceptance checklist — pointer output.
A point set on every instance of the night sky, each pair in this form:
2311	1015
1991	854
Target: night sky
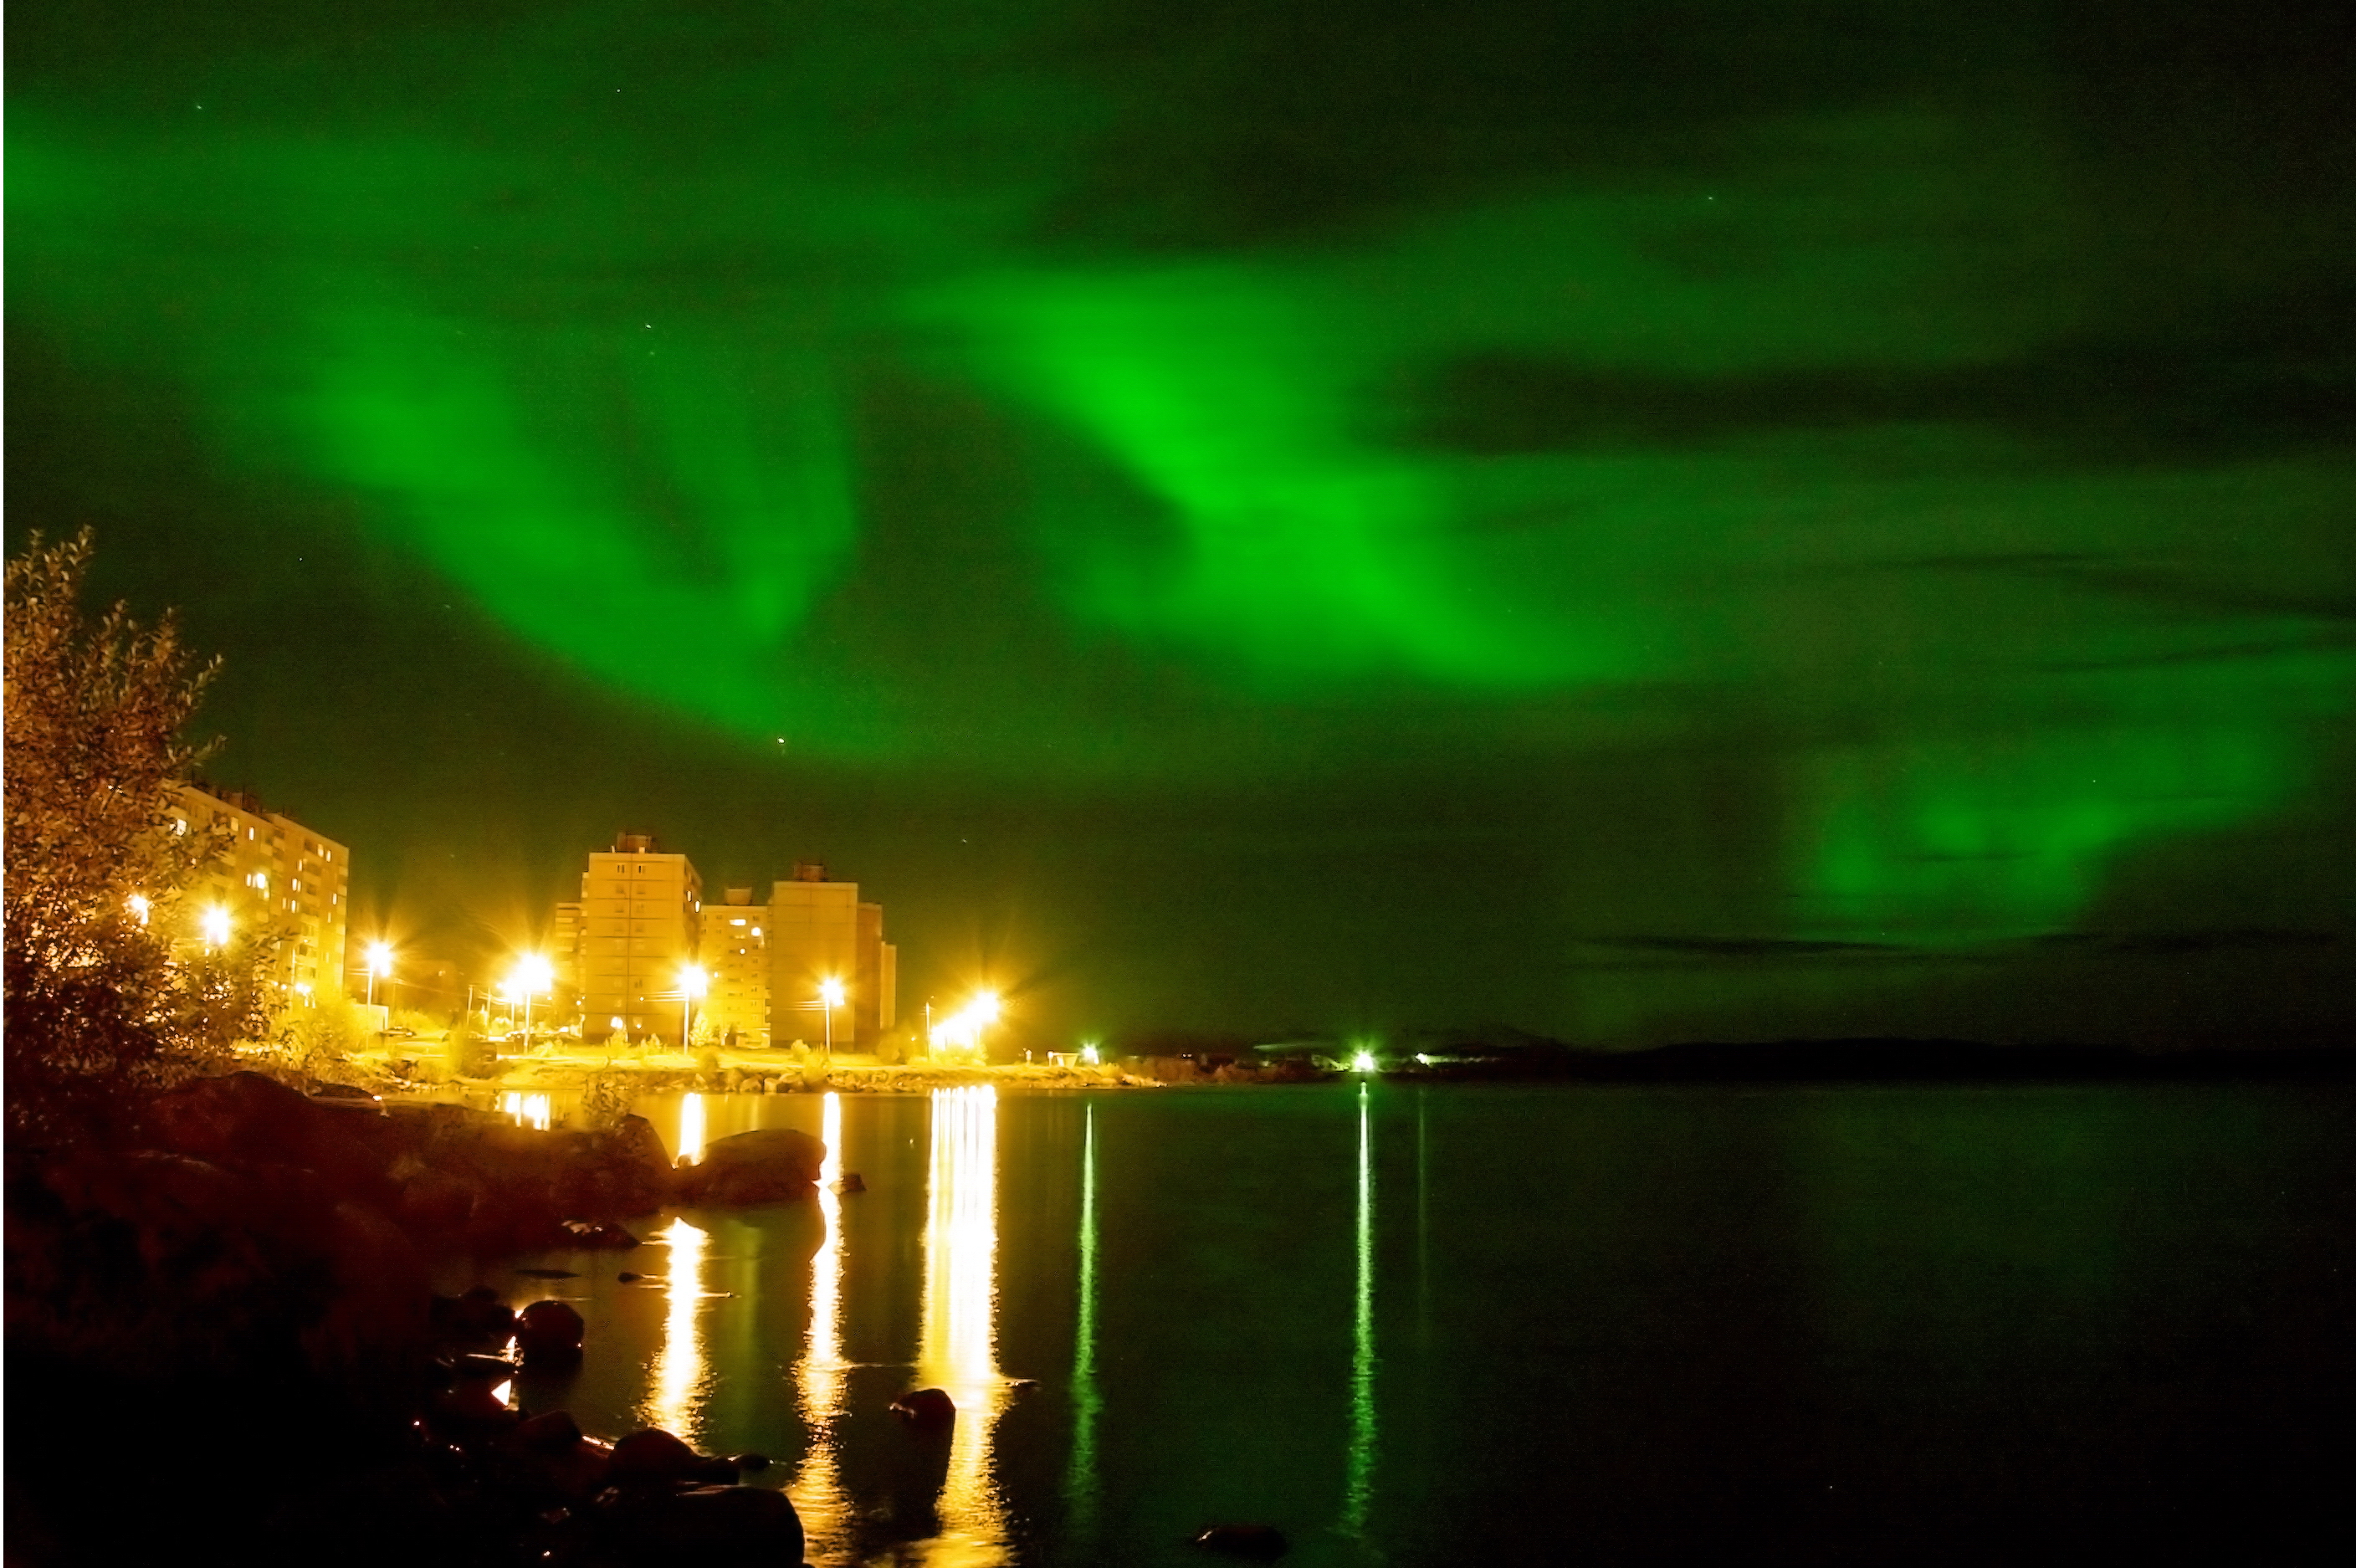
1725	519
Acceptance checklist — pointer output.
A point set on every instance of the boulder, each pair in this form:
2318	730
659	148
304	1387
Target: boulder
712	1527
654	1458
770	1165
1259	1542
245	1121
477	1317
925	1408
548	1334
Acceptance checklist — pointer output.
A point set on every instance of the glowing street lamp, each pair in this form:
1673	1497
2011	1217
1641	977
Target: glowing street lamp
981	1012
830	991
138	905
380	961
214	923
533	975
693	984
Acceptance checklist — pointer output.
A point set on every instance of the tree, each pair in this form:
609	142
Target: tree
101	1009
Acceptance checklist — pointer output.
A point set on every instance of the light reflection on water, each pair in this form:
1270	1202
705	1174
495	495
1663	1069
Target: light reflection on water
1088	1401
529	1109
681	1372
821	1375
1236	1350
957	1345
1359	1493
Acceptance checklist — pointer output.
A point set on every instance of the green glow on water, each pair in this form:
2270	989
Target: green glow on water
1358	1491
1080	1481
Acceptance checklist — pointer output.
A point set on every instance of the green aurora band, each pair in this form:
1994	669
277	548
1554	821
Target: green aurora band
1836	432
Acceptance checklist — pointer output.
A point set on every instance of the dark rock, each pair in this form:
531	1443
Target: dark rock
769	1165
1261	1542
712	1527
598	1233
751	1461
548	1333
925	1408
653	1457
477	1317
553	1433
472	1366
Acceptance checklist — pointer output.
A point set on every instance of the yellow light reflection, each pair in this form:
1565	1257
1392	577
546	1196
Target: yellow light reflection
529	1109
690	1126
821	1373
957	1346
681	1371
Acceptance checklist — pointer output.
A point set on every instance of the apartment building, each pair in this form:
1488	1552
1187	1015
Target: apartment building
736	958
279	876
641	910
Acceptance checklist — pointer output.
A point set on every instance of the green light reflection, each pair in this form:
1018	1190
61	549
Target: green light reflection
1358	1493
1080	1488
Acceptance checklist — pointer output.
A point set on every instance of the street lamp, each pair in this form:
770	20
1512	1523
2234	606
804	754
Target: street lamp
983	1011
830	991
693	984
380	961
214	923
531	976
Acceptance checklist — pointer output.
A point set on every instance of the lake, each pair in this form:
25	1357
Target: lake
1484	1324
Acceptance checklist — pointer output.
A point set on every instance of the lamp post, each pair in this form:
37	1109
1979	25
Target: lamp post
532	973
983	1011
380	961
215	925
830	991
692	982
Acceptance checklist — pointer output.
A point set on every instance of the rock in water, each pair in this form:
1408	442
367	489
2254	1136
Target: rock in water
712	1527
549	1333
925	1408
1261	1542
655	1458
769	1165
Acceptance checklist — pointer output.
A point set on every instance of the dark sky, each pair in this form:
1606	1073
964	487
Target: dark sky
1734	517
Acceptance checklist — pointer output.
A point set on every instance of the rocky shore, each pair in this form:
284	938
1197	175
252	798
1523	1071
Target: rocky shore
234	1308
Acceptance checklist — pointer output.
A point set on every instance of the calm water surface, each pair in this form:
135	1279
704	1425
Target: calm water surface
1480	1324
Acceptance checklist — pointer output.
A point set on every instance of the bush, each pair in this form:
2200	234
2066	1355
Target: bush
101	1009
468	1054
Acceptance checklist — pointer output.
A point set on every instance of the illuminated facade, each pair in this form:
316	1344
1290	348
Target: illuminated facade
279	876
641	909
736	960
819	930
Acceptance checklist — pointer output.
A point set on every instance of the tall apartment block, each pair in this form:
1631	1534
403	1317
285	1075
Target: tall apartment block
769	963
279	876
641	920
640	911
736	960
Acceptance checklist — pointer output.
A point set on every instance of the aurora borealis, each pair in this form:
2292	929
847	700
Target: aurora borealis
1719	518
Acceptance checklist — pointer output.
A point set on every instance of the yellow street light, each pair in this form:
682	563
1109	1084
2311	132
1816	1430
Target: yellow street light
531	976
138	905
693	984
981	1013
830	991
214	923
380	961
